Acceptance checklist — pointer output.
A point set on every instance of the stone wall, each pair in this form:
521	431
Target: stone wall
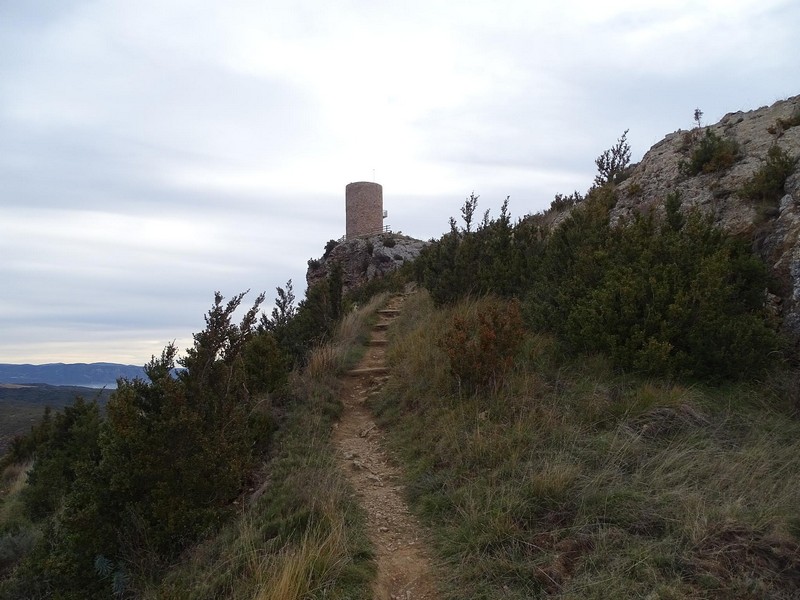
363	209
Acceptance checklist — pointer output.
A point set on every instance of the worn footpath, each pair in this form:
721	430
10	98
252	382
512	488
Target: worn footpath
404	564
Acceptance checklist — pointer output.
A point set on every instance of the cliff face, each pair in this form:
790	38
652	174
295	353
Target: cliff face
365	258
774	226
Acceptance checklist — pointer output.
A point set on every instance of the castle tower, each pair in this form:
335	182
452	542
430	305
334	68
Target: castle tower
363	208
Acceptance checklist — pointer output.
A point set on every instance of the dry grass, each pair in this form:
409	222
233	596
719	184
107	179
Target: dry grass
14	479
324	360
304	569
257	557
332	358
576	482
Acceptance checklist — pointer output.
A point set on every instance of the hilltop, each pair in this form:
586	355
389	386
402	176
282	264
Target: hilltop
364	258
751	187
598	401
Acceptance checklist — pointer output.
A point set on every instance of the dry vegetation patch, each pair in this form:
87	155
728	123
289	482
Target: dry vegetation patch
754	564
568	479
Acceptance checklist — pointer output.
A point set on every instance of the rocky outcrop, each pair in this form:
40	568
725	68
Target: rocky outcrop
773	227
365	258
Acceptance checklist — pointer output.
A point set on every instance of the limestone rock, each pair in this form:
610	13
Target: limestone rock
365	258
775	230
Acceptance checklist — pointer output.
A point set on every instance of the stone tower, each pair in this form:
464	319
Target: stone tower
363	208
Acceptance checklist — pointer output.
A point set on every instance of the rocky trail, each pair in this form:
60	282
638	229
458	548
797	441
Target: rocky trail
404	564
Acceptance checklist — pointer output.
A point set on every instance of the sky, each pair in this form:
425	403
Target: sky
154	152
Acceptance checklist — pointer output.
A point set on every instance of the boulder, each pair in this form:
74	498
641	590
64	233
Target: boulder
365	258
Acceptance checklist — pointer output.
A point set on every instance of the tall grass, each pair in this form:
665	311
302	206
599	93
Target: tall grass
13	480
574	481
307	568
333	357
17	534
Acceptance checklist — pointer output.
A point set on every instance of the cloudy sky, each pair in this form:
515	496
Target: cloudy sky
153	152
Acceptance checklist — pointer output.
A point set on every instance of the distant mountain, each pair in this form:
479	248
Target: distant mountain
93	375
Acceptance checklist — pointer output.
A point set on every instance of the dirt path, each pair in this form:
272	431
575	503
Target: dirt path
404	566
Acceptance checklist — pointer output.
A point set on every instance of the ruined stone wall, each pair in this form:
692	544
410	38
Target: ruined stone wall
363	209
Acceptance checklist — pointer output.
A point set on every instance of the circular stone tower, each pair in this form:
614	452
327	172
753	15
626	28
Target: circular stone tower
363	208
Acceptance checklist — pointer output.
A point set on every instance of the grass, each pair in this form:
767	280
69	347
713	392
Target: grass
17	534
571	480
306	568
767	184
334	357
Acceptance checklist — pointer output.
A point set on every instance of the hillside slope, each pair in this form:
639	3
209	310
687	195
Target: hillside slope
572	410
566	479
771	219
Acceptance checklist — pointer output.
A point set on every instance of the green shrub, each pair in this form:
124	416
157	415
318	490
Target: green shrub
767	183
634	189
391	282
482	341
562	201
329	247
682	298
72	444
389	242
711	154
158	473
678	298
15	545
267	363
298	329
612	165
568	263
490	259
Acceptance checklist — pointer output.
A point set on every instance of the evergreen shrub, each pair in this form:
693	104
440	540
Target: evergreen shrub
767	183
678	298
711	154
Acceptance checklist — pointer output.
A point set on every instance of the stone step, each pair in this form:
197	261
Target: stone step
369	371
380	326
389	312
377	343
